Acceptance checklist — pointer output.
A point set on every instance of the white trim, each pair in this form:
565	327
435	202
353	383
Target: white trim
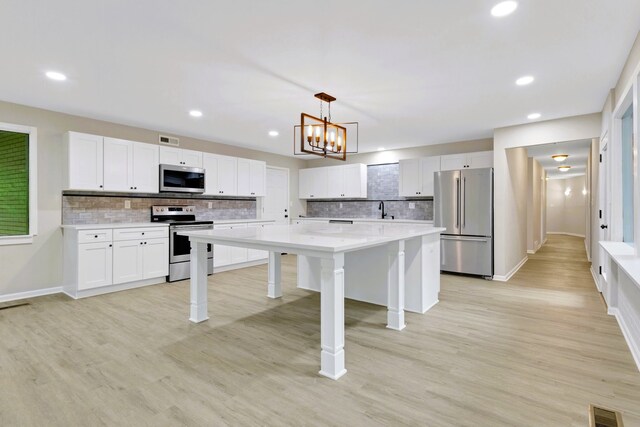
565	234
513	271
30	294
33	184
586	248
595	278
240	265
633	344
117	287
531	251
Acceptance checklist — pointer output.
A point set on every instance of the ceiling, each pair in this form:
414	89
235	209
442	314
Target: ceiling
578	152
412	73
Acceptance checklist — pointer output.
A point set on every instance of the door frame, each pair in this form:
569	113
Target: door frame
260	205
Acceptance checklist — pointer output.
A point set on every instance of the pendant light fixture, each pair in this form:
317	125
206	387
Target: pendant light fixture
319	136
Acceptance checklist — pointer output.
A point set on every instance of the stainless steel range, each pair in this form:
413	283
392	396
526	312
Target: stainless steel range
181	218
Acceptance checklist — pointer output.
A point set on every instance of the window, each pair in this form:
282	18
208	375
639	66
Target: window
17	184
627	176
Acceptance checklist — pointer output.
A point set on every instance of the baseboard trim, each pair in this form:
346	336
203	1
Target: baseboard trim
595	278
531	252
30	294
565	234
513	271
633	344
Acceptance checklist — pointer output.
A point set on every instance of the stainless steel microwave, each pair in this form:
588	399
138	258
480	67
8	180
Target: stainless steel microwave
181	179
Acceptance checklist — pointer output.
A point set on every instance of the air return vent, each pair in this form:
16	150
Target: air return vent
601	417
169	140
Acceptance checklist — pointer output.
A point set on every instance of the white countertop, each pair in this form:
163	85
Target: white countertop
622	254
114	225
401	221
315	236
240	221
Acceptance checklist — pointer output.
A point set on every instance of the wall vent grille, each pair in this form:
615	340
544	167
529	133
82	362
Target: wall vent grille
169	140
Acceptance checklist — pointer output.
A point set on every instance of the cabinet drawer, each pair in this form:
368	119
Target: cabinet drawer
140	233
92	236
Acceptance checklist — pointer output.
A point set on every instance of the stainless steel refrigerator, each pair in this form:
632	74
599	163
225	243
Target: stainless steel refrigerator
463	204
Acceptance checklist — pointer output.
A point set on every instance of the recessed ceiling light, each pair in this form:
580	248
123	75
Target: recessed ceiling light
195	113
534	116
274	133
564	168
560	157
525	80
380	148
54	75
504	8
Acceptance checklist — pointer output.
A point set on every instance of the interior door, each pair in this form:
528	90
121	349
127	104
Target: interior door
604	202
276	201
446	201
477	202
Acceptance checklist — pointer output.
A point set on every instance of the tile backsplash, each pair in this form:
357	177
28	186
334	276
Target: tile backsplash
101	210
382	184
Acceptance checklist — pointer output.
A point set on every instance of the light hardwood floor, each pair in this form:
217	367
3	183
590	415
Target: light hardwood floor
531	352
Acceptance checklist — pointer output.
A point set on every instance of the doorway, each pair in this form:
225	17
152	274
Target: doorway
276	200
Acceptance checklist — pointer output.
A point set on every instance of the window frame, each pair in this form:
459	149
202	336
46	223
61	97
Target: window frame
33	185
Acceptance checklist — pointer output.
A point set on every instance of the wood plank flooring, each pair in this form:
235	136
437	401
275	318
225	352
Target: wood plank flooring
535	351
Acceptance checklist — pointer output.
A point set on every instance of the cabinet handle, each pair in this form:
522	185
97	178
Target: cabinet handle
96	236
101	186
145	243
140	242
110	245
143	233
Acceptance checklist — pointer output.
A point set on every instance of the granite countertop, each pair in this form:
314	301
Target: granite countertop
114	225
400	221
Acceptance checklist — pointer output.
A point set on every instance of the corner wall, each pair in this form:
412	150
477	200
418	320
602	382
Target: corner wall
535	202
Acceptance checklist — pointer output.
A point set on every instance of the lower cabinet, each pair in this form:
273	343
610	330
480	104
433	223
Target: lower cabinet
95	261
230	257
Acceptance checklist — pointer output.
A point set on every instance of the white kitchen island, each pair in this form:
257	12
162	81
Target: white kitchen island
408	253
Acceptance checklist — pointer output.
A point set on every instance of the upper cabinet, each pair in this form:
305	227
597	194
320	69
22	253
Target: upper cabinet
220	174
85	161
333	182
180	157
130	166
251	177
477	160
416	176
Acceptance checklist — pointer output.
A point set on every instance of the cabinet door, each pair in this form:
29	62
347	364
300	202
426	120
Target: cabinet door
94	265
210	165
481	159
118	167
145	168
244	177
221	253
304	183
335	187
258	178
227	175
256	254
410	178
192	158
319	183
127	261
85	157
238	255
354	178
155	258
170	156
429	166
453	162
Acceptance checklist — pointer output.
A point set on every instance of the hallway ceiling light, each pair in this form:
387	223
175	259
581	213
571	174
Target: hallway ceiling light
504	8
564	168
560	157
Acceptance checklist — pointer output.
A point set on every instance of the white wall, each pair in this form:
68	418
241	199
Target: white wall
535	200
566	206
39	265
510	244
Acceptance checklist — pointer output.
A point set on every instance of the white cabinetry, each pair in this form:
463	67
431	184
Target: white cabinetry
347	181
221	175
333	182
180	157
104	260
130	166
416	176
477	160
251	177
230	257
85	161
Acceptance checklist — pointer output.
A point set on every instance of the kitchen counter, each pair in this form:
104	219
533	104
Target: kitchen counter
114	225
240	221
399	221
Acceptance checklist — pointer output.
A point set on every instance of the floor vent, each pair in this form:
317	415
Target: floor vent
601	417
14	306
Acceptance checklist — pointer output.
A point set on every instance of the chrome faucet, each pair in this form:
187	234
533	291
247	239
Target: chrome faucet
381	208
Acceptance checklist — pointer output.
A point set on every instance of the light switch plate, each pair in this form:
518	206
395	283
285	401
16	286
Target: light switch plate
340	205
210	205
412	205
127	204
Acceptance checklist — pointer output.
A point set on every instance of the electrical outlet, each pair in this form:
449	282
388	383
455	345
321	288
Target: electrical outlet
340	205
127	204
210	205
412	205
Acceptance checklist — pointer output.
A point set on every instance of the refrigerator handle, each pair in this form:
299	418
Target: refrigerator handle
458	203
462	206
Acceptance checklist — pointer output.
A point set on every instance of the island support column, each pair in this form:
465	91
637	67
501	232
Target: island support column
274	287
395	286
198	282
332	317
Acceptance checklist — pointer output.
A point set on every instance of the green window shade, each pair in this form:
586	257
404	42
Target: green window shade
14	183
